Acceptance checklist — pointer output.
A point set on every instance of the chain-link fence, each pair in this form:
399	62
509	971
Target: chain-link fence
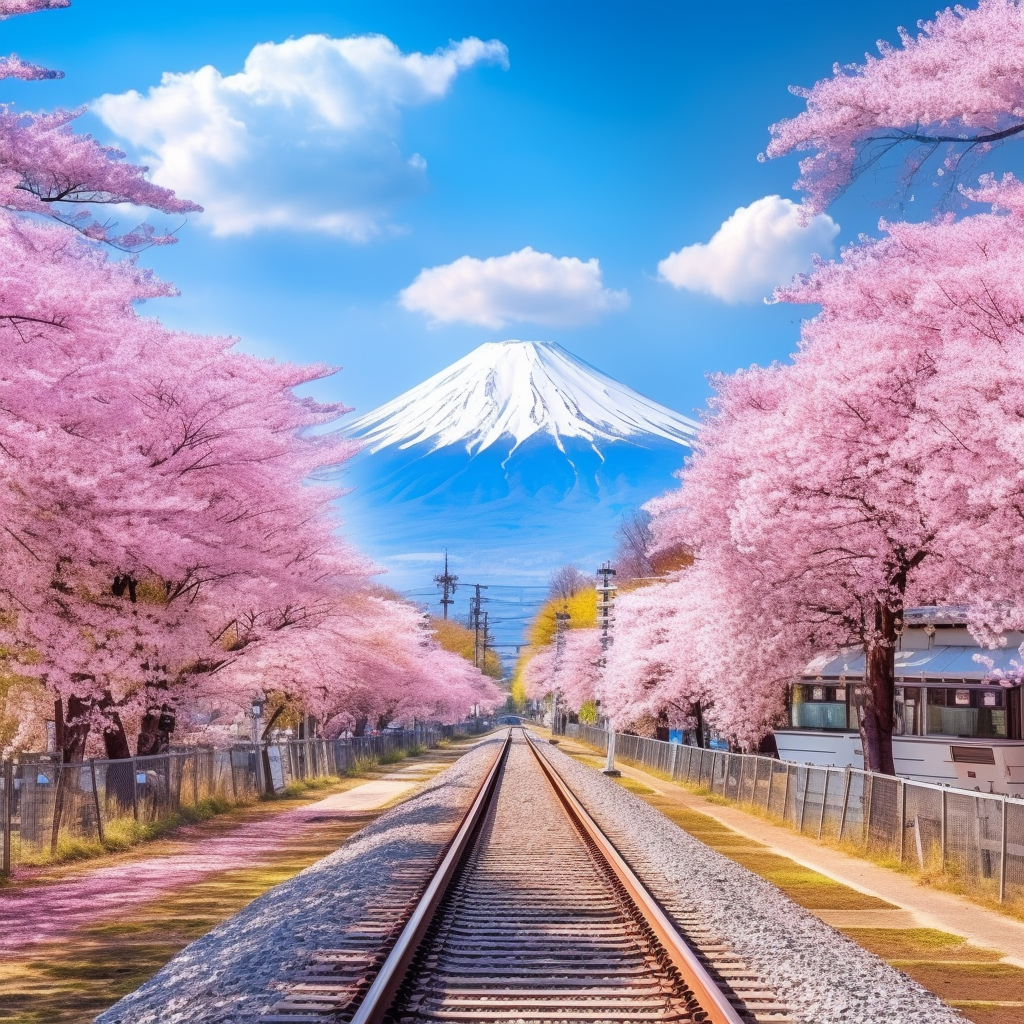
977	838
48	808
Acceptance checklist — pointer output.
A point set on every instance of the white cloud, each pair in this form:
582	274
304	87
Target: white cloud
759	247
522	286
305	137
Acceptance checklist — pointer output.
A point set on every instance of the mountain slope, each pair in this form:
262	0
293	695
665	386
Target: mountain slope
511	390
518	458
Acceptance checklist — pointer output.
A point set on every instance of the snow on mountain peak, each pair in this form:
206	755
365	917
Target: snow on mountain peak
517	389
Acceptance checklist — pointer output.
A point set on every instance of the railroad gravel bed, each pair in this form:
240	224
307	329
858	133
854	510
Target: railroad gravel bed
228	975
824	977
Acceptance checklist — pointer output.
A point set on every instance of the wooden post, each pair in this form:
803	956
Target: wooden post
1002	855
195	777
96	799
7	812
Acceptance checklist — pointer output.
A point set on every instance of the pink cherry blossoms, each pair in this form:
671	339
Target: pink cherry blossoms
958	87
165	546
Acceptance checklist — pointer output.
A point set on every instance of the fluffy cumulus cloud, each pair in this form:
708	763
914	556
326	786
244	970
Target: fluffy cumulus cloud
305	137
759	247
524	286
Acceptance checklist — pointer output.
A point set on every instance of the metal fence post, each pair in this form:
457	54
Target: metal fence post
846	801
1002	855
785	795
771	779
942	841
135	789
672	765
903	817
96	799
803	803
824	800
7	814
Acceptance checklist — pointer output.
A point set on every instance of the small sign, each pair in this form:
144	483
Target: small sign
817	693
841	693
963	698
988	700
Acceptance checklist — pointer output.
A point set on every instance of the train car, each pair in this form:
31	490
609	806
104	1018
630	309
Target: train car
954	725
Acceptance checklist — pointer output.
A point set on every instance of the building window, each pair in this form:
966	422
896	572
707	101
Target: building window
818	706
976	712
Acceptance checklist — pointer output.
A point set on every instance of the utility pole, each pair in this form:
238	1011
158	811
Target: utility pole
474	620
605	610
446	583
561	623
486	638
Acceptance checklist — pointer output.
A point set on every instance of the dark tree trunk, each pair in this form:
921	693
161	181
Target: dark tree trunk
698	714
71	732
115	740
360	727
71	736
119	777
876	695
155	731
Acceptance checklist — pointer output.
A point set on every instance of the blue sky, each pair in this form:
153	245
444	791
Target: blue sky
617	132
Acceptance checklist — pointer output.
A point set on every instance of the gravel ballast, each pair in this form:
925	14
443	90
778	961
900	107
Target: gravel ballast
820	974
231	974
228	975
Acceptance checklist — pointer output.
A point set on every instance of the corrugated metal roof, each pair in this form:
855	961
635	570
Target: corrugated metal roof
936	662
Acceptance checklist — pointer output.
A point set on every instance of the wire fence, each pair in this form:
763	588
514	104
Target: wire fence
975	838
48	808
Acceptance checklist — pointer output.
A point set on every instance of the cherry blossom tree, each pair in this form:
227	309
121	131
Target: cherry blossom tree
166	547
954	91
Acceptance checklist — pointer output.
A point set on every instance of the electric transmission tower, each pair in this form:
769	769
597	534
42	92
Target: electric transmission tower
446	583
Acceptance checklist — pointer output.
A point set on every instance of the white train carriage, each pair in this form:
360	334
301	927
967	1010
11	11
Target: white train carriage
953	726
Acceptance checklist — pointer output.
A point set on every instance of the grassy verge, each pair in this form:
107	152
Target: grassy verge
984	892
71	980
122	834
125	833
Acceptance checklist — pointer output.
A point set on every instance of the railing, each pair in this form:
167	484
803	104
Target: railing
49	808
977	838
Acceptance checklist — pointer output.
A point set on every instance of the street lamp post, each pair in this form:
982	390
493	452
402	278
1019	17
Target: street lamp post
561	624
257	714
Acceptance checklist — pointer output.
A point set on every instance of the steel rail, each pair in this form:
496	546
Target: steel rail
378	999
693	973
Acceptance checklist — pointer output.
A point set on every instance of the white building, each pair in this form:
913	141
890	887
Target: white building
954	726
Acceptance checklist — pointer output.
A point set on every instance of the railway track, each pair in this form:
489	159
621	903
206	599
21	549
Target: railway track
530	916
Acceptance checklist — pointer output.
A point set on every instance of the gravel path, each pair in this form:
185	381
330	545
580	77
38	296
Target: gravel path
823	976
227	975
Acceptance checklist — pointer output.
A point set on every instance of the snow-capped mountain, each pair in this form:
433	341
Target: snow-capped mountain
518	458
508	391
